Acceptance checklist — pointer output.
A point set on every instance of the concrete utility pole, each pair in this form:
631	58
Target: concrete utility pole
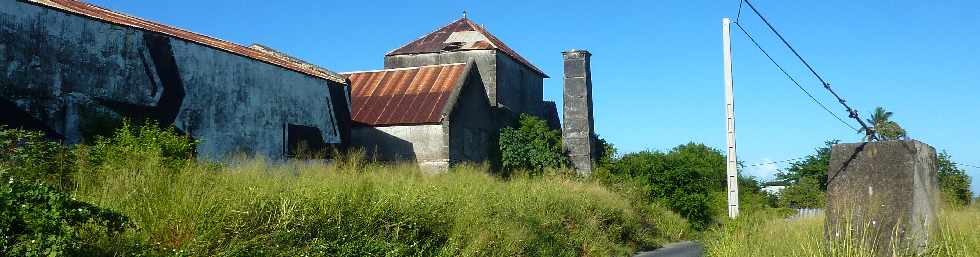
732	168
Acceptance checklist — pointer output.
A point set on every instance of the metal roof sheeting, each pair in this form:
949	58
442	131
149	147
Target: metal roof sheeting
403	96
443	40
102	14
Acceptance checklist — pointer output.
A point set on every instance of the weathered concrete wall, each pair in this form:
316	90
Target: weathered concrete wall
519	88
77	76
886	191
577	131
425	144
471	127
512	87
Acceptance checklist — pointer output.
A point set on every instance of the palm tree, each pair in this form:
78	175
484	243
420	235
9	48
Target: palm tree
884	126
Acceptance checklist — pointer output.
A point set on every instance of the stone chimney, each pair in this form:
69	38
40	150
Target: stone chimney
577	131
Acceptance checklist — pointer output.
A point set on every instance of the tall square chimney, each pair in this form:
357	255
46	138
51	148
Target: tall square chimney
577	130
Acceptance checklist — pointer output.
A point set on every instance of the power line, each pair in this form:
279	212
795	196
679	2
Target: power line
967	165
756	43
739	15
775	162
852	113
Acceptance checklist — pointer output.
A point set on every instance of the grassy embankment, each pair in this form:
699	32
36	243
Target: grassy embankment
765	234
252	207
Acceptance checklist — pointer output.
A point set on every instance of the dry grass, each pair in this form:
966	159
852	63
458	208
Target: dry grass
353	208
772	235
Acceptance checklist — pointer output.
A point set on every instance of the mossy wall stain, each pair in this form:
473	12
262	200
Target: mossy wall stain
80	77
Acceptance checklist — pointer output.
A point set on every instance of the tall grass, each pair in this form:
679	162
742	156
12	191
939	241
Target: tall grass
350	208
765	234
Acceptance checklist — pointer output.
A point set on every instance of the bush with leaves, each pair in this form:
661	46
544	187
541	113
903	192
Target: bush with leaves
813	166
28	155
532	146
683	179
134	142
39	220
953	181
607	153
805	194
37	217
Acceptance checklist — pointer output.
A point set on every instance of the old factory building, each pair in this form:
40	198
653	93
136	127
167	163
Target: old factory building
75	70
72	70
513	84
425	106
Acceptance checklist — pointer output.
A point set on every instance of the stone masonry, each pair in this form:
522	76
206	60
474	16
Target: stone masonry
884	192
578	123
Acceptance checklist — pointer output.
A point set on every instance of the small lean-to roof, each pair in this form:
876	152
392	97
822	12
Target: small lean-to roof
461	35
106	15
406	96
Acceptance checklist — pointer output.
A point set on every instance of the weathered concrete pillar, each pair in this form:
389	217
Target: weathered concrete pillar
884	195
577	129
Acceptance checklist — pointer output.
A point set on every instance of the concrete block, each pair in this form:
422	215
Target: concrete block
883	194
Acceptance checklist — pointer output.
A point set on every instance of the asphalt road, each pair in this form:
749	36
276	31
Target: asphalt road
682	249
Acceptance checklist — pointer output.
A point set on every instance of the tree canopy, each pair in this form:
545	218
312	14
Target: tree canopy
884	126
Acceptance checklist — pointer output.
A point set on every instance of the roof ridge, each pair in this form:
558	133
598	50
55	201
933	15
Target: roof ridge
404	68
435	42
482	31
80	8
504	47
421	37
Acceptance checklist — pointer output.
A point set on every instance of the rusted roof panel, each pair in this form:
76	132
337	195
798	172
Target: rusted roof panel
99	13
404	96
443	40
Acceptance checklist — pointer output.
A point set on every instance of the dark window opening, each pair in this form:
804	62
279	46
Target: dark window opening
305	142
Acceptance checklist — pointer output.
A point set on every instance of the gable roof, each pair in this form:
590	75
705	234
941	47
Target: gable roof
405	96
461	35
106	15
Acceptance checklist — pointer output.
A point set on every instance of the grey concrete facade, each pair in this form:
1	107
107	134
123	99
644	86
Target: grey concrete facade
512	87
887	192
577	131
424	144
73	76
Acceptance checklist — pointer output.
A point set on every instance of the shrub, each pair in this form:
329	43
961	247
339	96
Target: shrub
532	146
28	155
140	143
805	194
953	182
813	166
682	179
38	220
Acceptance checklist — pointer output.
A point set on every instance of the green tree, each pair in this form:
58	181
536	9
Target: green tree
813	166
953	181
805	194
884	126
532	146
684	179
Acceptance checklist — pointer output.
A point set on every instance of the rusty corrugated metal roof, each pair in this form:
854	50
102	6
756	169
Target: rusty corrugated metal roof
447	39
403	96
99	13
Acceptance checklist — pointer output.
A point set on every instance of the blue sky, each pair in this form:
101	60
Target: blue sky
657	65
